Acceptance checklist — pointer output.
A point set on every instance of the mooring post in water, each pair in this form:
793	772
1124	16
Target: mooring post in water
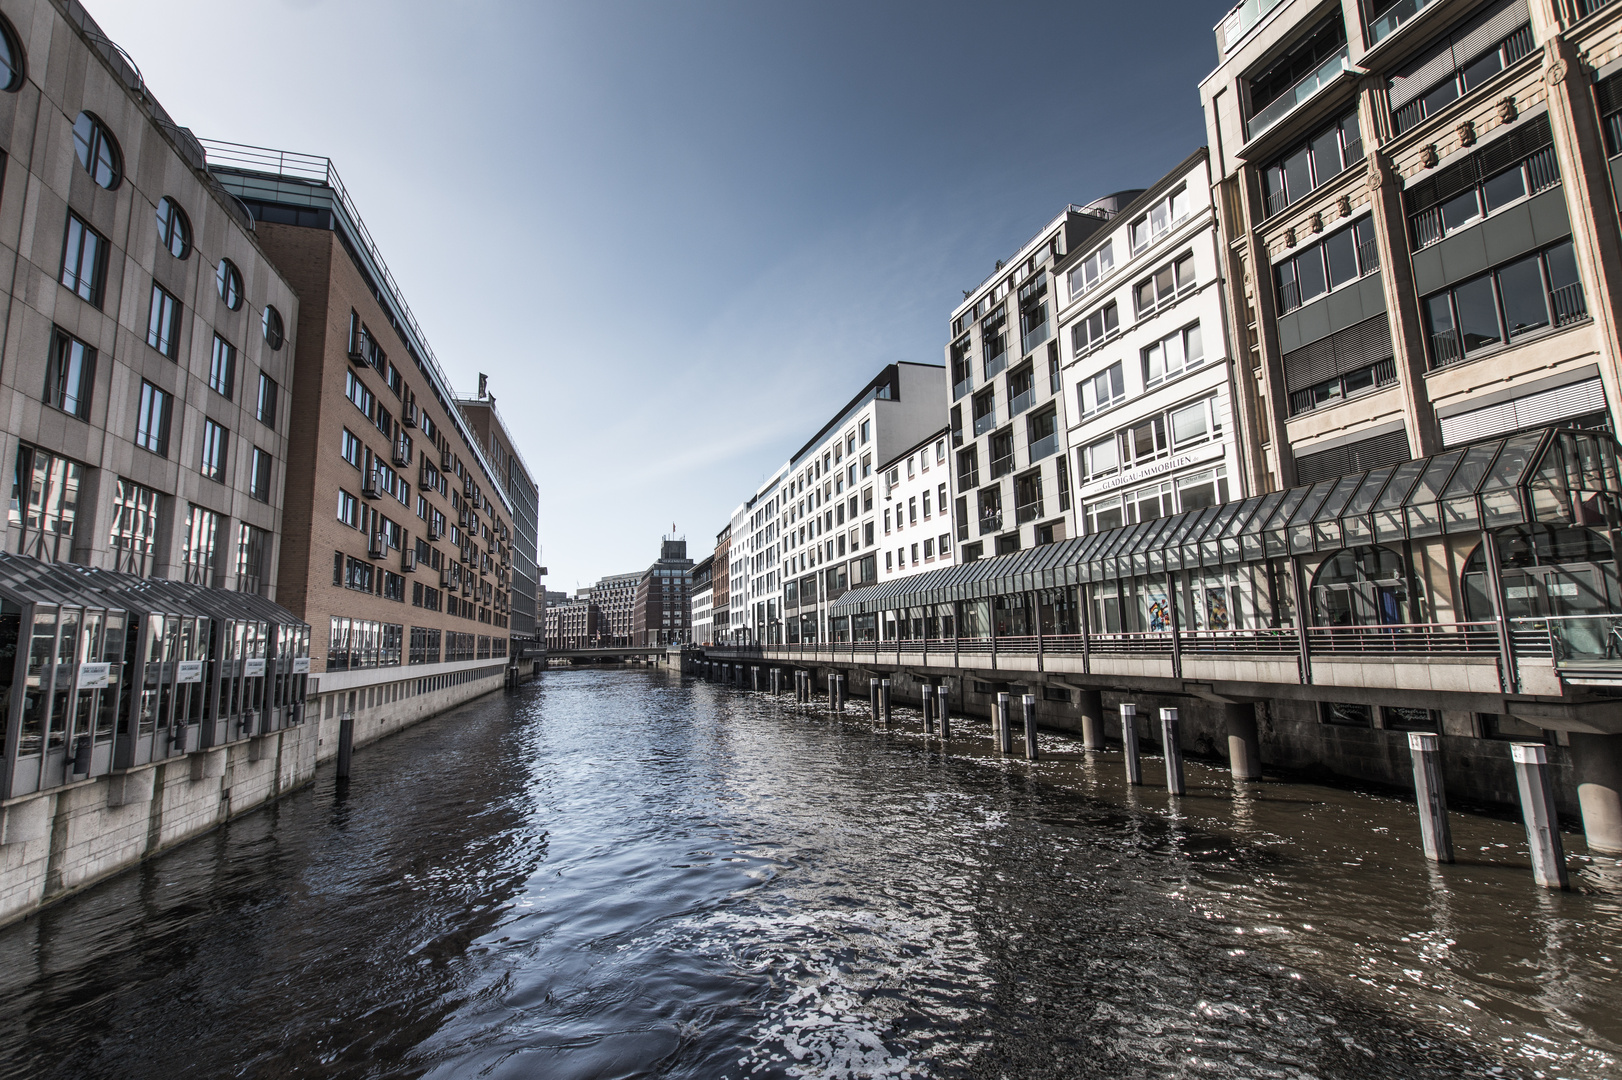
873	697
884	699
1537	808
1029	703
777	681
1173	748
926	694
1129	744
839	685
1431	796
754	678
346	743
944	710
1091	703
1005	734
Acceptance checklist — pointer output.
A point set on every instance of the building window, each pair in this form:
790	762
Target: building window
1091	270
1101	391
216	445
222	368
1416	92
1095	329
355	644
1042	433
1323	267
1506	171
228	280
985	412
163	324
351	448
1161	217
1061	480
271	324
174	228
1316	160
1332	391
1028	497
994	343
1173	355
1297	75
253	545
348	509
359	395
265	408
1021	395
69	375
1532	293
97	151
198	545
990	505
1002	452
152	421
968	468
45	502
84	260
135	518
1164	285
11	58
259	481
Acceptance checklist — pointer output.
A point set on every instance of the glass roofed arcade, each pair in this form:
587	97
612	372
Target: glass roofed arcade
1503	549
105	671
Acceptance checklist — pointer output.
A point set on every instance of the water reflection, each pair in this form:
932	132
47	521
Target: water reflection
621	874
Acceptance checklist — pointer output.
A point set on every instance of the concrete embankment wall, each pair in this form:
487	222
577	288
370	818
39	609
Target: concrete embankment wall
1292	737
55	842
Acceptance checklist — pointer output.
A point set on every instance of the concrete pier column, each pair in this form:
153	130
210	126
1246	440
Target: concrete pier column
926	701
1005	736
346	743
1028	704
1129	744
1596	765
1171	744
1537	810
944	710
1244	742
1092	719
754	678
873	696
1431	796
884	699
839	688
777	681
832	697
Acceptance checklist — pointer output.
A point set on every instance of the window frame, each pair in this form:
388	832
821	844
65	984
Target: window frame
95	285
166	308
154	398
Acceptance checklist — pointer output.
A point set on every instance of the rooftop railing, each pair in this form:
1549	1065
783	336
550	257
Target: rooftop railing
1237	23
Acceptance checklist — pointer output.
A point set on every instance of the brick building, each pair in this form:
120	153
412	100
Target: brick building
660	613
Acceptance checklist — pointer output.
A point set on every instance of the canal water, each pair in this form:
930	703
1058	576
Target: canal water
622	873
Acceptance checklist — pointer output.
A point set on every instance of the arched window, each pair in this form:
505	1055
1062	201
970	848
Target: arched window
98	151
1549	571
1365	586
228	279
11	58
174	228
273	327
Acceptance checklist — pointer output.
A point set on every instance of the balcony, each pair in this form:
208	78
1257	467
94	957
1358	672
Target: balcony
1046	446
1002	464
1569	304
1309	85
1027	511
963	387
1022	401
1237	23
983	424
990	522
1395	16
1037	335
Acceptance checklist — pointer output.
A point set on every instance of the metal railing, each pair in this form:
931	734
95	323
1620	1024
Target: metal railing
1570	640
1021	401
983	424
1405	639
1046	445
1030	511
990	523
1394	16
1237	23
962	386
1309	85
1569	303
1446	348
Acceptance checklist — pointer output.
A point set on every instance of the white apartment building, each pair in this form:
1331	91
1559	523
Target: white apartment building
918	529
1149	384
1011	478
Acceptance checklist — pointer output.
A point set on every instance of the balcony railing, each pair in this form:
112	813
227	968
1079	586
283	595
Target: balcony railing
1022	401
996	364
1446	349
1002	464
1237	23
1570	640
1394	16
962	387
983	424
1569	304
1037	335
1045	446
1027	511
1405	639
1300	92
990	523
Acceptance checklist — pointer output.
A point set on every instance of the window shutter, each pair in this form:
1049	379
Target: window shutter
1354	347
1389	449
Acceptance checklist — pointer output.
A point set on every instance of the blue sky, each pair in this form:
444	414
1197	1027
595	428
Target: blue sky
678	236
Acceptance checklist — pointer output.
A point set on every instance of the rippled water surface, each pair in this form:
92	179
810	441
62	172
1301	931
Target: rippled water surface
619	873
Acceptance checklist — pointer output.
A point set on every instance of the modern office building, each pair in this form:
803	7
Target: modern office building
701	593
573	624
1421	224
817	521
400	535
915	522
660	613
615	597
513	474
1146	370
1007	415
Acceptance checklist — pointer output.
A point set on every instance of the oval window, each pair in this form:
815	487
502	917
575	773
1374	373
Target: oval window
229	281
11	58
98	151
273	327
174	229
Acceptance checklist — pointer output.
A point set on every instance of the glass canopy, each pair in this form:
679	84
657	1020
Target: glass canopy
1552	476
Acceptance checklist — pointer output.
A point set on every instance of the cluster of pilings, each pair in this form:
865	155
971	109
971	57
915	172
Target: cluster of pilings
1531	760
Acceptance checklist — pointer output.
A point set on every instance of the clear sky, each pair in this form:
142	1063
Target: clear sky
678	236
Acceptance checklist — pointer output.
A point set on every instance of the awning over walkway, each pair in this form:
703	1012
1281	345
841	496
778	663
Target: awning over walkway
25	580
1553	476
